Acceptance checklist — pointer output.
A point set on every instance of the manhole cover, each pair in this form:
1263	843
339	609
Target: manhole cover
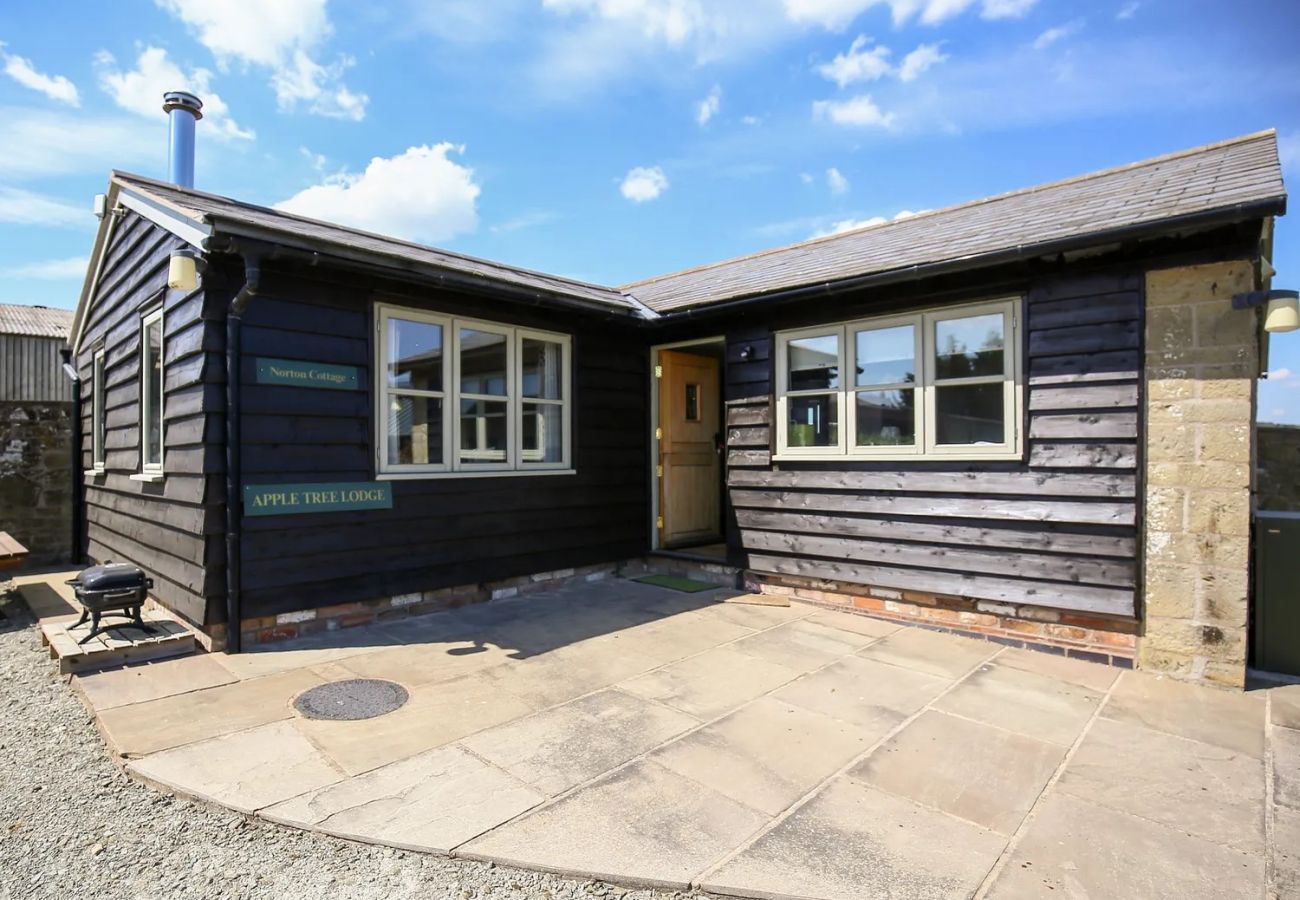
358	698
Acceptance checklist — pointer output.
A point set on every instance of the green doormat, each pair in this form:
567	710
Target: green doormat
676	582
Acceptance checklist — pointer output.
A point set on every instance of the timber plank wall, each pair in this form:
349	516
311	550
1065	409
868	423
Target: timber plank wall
441	532
1057	529
170	528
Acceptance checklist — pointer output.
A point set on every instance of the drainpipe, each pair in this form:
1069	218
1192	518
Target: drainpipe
234	475
74	461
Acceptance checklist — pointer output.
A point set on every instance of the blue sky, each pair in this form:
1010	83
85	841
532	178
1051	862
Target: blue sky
611	140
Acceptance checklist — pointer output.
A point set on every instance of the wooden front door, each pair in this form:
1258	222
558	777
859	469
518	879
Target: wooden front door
690	425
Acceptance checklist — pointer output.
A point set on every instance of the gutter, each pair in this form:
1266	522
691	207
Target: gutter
74	461
234	447
1225	216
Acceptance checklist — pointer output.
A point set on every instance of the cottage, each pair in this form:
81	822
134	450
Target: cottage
1027	417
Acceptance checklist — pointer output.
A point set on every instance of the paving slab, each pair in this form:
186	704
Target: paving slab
1025	702
1286	766
418	664
1285	853
561	747
1092	675
431	802
245	771
802	645
872	695
1284	706
435	715
855	623
766	755
1228	718
151	681
641	824
666	641
852	842
1210	791
947	655
155	725
567	673
979	773
711	683
1075	850
326	647
756	617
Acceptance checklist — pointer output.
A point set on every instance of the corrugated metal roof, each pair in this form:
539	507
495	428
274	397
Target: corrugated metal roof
236	217
1224	176
35	321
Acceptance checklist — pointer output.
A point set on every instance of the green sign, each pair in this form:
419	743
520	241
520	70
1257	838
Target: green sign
307	374
293	499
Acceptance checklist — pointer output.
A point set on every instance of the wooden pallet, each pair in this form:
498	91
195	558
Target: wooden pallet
116	646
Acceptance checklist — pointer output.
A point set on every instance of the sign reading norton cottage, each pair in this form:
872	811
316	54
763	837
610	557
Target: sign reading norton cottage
307	374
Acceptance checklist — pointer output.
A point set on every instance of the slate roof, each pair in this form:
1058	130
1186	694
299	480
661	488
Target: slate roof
35	321
1232	177
1229	181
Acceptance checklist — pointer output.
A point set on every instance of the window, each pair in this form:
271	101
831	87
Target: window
151	392
97	413
937	384
463	396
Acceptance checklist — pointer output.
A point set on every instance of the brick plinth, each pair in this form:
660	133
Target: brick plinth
1096	638
1202	359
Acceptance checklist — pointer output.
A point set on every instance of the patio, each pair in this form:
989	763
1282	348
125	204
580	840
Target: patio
645	736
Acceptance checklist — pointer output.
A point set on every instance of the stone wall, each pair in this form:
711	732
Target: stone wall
1202	359
35	483
1277	467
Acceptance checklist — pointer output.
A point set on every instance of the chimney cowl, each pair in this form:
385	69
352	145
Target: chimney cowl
183	100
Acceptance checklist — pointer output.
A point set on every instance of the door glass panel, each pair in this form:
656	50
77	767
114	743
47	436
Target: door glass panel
814	363
813	421
970	414
482	431
414	355
886	418
153	390
971	346
542	363
482	362
414	430
692	403
886	355
543	435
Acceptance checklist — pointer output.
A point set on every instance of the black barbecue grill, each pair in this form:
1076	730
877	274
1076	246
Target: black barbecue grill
115	588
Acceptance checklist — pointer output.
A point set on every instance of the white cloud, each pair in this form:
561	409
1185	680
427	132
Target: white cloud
856	112
672	21
844	225
50	269
1007	9
750	120
39	143
836	181
643	183
1059	33
140	90
857	64
530	219
282	36
806	177
838	14
919	60
418	195
1281	374
1288	150
1127	11
23	207
707	108
56	87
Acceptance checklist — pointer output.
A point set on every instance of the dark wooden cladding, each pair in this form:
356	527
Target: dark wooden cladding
1056	529
169	527
440	532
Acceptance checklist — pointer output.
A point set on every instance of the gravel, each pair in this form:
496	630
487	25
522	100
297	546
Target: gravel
74	825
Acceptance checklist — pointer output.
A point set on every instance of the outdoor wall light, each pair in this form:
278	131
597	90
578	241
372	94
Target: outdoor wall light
183	270
1281	308
747	353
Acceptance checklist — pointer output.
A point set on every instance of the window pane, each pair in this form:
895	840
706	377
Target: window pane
543	439
886	418
482	362
692	403
414	430
542	363
153	368
98	410
414	355
814	363
886	355
482	431
970	346
813	422
970	414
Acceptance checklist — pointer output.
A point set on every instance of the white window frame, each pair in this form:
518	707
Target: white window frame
146	402
925	446
98	400
515	463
